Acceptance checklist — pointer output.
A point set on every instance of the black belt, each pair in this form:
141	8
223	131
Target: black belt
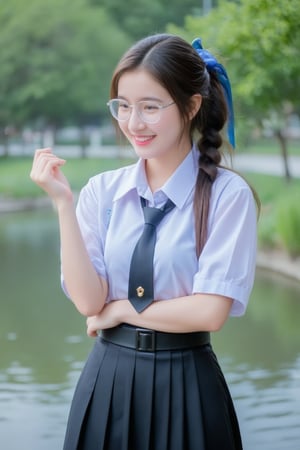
144	340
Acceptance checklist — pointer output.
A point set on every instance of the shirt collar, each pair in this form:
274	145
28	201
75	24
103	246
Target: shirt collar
177	188
134	178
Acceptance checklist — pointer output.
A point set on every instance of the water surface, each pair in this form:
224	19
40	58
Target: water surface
43	344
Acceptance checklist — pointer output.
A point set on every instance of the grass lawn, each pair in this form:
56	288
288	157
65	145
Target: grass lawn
16	183
270	187
279	220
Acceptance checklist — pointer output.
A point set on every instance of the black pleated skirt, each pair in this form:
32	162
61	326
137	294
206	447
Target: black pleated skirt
165	400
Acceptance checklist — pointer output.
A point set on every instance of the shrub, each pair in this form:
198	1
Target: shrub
267	233
288	221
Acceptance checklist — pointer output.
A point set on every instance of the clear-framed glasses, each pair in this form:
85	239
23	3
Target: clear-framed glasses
149	111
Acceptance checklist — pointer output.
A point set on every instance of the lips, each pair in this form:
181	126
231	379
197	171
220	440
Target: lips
143	140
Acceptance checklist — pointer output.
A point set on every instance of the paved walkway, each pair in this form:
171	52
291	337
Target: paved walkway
268	164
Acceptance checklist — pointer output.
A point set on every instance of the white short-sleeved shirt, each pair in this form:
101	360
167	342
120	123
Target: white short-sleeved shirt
111	220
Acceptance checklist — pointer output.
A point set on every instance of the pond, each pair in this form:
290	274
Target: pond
43	345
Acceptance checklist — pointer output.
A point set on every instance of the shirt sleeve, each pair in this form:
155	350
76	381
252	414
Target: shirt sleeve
227	263
92	227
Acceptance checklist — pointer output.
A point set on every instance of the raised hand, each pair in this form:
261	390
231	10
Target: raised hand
46	173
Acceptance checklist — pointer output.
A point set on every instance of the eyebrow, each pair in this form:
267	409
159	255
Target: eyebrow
121	97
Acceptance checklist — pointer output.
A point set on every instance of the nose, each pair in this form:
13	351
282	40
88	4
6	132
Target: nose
135	122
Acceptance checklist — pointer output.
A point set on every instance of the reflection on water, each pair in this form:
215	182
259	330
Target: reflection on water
43	345
260	354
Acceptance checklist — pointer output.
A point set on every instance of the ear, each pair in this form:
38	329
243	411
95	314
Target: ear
195	104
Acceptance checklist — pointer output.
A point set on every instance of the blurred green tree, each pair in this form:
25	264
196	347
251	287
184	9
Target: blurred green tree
56	61
259	43
139	18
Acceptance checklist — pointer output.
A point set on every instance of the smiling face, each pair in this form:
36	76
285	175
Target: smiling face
166	140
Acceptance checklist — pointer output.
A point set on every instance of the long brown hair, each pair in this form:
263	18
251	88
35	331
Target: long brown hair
176	65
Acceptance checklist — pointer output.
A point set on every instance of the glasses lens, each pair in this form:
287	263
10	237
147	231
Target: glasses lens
119	109
149	111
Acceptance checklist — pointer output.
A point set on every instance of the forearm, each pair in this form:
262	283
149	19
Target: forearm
199	312
86	289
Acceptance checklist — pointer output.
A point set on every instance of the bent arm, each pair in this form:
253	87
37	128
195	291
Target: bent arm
85	287
198	312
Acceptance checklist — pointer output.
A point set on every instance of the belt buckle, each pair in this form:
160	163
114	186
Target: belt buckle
144	340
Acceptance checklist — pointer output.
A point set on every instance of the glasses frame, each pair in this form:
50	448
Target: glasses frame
131	106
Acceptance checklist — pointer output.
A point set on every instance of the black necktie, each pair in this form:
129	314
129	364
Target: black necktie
140	289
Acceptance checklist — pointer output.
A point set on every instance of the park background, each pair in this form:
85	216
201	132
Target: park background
56	60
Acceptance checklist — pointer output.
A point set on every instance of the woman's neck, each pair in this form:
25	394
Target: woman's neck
159	170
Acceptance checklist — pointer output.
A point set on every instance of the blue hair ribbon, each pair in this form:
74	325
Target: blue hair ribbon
213	65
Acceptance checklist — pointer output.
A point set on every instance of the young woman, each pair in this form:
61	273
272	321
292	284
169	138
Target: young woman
152	380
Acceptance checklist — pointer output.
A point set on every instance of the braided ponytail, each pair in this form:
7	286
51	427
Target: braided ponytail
209	121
